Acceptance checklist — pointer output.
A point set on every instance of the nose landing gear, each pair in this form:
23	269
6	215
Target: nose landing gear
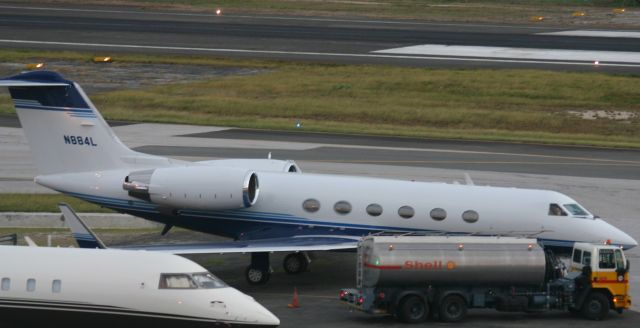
259	271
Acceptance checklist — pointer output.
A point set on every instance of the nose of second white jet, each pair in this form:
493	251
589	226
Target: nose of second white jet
247	310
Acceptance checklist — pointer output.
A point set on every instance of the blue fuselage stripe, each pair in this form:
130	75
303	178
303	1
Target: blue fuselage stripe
56	109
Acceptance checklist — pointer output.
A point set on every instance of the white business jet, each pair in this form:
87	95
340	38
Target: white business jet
77	287
269	205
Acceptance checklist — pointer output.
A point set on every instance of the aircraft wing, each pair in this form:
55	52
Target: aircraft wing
289	244
88	239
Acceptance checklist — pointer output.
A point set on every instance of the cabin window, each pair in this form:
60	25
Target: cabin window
374	210
176	281
31	285
56	286
6	284
311	205
438	214
556	210
207	280
576	210
406	212
342	207
577	256
586	258
470	216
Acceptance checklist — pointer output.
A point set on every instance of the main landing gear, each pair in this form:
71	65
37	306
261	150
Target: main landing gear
259	271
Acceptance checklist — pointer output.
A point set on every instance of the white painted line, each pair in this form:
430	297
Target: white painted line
517	53
599	34
292	18
306	53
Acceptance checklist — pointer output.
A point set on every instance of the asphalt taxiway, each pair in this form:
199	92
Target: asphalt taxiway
326	39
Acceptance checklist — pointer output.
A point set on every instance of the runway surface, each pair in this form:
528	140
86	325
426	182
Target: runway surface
211	142
344	40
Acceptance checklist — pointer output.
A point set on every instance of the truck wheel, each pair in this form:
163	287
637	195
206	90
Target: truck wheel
595	306
256	276
413	309
453	308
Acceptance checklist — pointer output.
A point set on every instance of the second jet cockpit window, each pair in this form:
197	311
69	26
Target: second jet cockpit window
202	280
177	281
208	281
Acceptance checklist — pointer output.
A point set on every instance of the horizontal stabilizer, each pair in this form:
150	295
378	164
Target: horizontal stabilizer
30	241
19	83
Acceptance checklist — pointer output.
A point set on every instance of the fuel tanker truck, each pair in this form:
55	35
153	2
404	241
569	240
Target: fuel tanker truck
412	277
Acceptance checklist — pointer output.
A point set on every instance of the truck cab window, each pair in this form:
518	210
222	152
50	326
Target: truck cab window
576	210
556	210
619	260
176	281
577	256
606	260
586	258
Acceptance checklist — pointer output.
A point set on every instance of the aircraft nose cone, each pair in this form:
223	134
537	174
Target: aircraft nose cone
621	238
264	317
248	310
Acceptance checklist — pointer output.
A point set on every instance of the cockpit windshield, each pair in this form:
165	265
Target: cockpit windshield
200	280
575	210
207	280
556	210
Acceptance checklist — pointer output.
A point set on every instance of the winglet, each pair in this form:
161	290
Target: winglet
30	241
467	180
80	231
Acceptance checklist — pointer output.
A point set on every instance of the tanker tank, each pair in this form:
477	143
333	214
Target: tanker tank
450	260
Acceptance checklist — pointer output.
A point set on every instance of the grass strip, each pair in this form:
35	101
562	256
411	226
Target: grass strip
481	104
516	105
13	202
494	11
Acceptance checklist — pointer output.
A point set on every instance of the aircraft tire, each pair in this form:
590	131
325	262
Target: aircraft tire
256	276
295	263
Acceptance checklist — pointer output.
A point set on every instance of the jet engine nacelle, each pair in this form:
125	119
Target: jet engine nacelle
264	165
195	187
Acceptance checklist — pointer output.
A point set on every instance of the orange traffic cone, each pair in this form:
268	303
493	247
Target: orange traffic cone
294	302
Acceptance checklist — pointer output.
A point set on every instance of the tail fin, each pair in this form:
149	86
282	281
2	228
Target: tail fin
80	231
65	131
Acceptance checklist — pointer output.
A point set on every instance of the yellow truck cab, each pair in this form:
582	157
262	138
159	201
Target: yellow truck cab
606	276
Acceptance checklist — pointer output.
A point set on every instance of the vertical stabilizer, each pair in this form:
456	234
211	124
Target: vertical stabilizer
65	131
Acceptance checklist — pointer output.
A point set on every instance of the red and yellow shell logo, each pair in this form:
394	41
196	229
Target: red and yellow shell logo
451	265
